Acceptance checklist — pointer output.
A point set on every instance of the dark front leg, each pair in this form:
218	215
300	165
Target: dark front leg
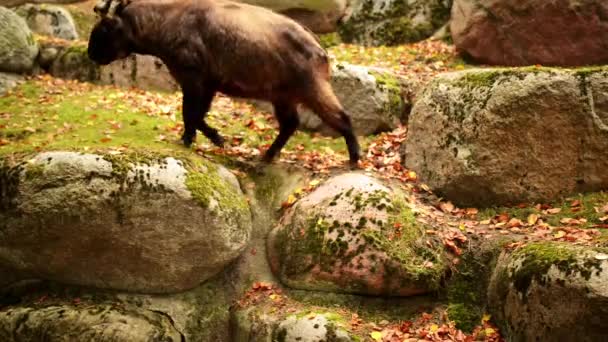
287	115
191	111
196	105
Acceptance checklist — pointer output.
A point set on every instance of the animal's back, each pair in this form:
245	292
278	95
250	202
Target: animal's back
260	50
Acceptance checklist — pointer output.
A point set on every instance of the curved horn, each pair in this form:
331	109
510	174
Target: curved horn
102	7
110	7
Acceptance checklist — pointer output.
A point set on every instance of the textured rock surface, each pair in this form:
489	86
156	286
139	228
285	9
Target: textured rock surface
8	82
551	292
485	137
392	22
319	16
73	63
375	99
85	323
553	33
18	49
150	225
353	234
255	325
141	71
48	20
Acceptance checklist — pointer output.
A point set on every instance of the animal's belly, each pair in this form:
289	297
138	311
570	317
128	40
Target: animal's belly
261	90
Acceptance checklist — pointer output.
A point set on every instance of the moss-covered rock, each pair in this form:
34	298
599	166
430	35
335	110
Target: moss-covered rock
551	292
74	63
18	48
480	137
393	22
68	322
354	234
200	314
137	222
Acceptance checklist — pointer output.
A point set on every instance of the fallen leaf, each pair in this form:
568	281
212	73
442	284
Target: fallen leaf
560	234
376	335
532	219
601	256
554	210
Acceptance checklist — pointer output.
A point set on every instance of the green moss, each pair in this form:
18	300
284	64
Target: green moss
391	85
535	260
34	171
208	187
329	39
74	63
466	316
393	25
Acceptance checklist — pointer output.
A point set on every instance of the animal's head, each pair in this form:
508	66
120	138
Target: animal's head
110	38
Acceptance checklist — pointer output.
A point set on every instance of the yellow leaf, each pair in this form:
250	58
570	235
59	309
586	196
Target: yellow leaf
560	234
314	182
532	219
291	199
434	328
376	335
298	191
462	227
485	318
490	331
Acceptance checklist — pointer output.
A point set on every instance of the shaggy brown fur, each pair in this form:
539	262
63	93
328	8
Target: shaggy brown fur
237	49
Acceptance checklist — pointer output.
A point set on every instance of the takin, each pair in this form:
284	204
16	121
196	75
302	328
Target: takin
237	49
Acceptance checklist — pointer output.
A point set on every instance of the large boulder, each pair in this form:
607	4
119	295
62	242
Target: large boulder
375	99
101	323
149	224
318	16
393	22
18	48
48	20
140	71
515	33
551	292
507	136
354	234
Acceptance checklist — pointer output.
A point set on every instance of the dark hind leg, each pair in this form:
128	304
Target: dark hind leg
325	104
195	108
287	115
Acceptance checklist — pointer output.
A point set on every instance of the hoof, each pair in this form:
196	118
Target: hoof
218	141
187	141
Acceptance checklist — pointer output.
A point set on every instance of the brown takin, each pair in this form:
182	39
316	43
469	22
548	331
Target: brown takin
239	50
